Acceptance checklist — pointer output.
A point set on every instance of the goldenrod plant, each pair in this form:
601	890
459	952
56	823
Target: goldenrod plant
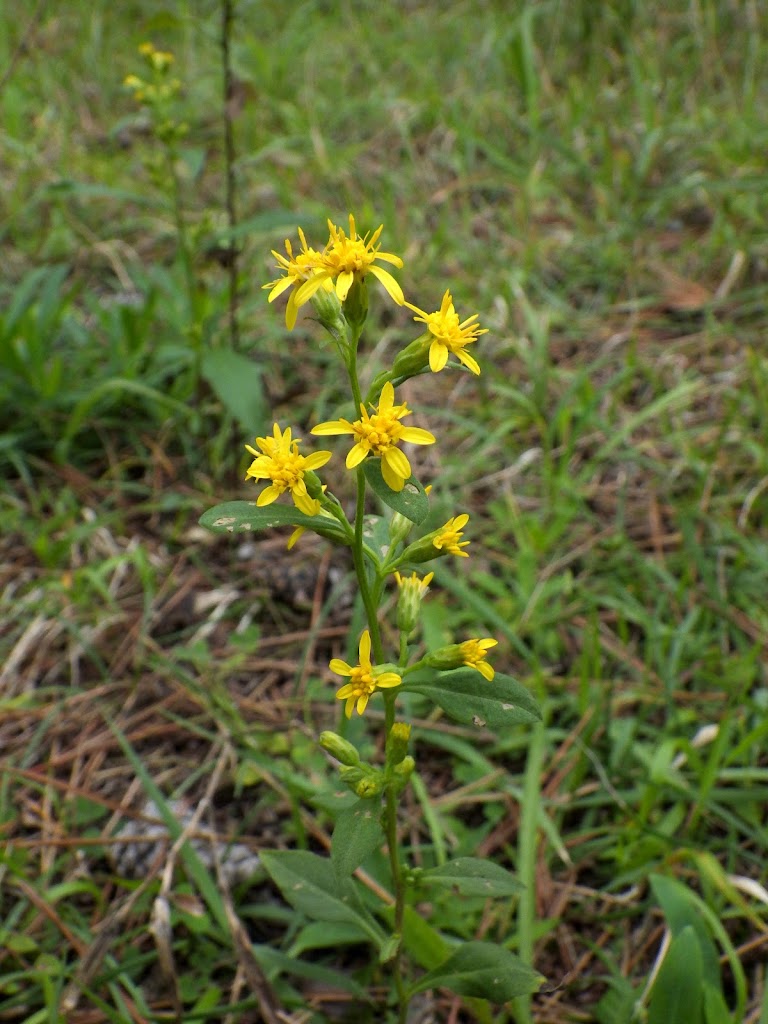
459	678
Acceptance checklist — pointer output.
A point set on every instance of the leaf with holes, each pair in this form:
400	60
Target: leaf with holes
469	698
310	884
412	502
471	876
247	517
357	833
482	970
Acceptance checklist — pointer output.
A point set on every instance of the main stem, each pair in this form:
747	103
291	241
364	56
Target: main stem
370	602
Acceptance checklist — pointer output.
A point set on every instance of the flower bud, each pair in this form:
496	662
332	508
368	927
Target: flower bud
406	768
445	657
397	742
339	748
399	528
329	313
369	786
412	592
356	305
413	359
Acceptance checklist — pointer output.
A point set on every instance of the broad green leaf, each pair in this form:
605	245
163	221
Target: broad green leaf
412	502
247	517
469	698
485	971
326	934
357	833
309	883
237	383
681	911
472	876
677	993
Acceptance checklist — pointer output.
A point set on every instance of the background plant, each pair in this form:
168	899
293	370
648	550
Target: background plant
600	167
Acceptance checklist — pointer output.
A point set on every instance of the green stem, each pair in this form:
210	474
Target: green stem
358	555
526	860
390	829
185	253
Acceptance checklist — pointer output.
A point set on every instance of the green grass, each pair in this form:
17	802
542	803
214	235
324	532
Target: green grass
590	179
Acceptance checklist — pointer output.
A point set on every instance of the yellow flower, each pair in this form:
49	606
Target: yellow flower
280	462
449	336
473	654
379	434
297	270
448	538
346	258
363	678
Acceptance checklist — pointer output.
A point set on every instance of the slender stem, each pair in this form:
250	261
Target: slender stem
371	610
227	21
390	828
527	842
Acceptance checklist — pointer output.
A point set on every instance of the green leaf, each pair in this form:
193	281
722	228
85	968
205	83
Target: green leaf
327	934
246	516
274	962
469	698
681	911
309	883
485	971
412	502
472	876
677	993
236	381
357	833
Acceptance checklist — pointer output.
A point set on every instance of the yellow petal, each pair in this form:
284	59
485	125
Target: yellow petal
316	460
391	479
438	356
362	702
387	397
340	667
333	427
485	670
279	287
364	649
350	707
388	679
390	284
268	495
469	362
343	284
397	462
356	455
417	435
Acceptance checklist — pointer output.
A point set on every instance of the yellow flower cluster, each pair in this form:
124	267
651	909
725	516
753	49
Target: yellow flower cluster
161	88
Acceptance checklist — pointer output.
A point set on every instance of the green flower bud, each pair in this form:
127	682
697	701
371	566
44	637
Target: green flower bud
413	359
397	742
356	304
340	748
370	786
329	313
399	528
406	768
445	657
412	592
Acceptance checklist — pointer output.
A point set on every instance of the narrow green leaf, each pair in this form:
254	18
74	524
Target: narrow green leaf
412	502
309	883
274	962
357	833
677	993
681	911
246	516
485	971
472	876
237	383
469	698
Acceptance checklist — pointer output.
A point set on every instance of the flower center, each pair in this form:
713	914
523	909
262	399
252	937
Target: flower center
379	432
286	469
472	652
362	681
